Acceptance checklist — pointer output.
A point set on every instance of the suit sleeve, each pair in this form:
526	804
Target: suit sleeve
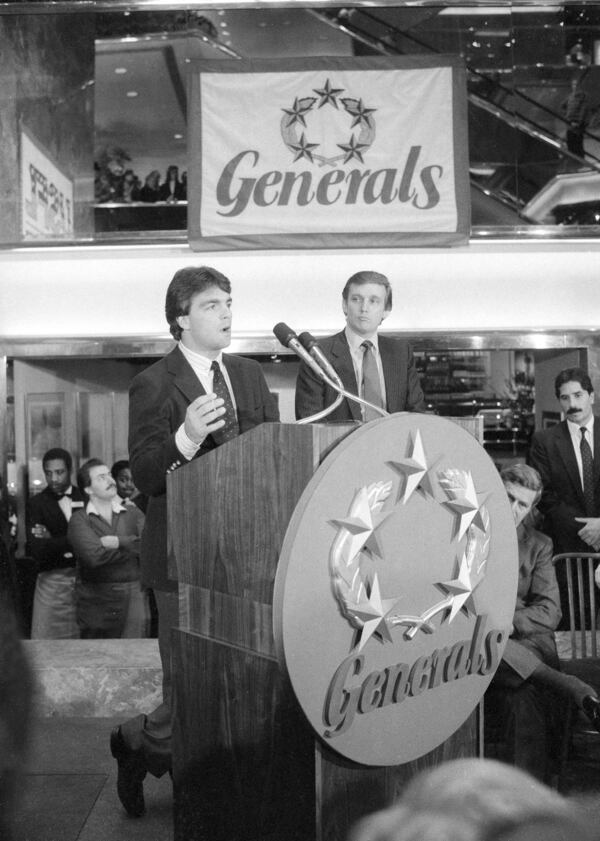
48	552
540	611
559	514
152	428
310	392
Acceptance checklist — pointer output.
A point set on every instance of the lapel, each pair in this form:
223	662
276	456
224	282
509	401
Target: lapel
342	362
564	445
183	375
596	450
391	371
238	381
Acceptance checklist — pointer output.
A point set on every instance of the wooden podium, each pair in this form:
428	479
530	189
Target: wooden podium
246	764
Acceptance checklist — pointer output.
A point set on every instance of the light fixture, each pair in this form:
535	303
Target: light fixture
132	94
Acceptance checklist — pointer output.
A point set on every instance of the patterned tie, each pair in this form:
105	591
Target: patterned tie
587	461
371	386
231	428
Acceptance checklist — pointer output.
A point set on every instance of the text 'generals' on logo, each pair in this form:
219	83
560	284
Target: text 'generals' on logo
394	684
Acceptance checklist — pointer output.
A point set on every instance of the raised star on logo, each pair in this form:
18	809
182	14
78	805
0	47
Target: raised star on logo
374	615
415	469
353	149
461	589
299	109
359	111
464	499
361	524
303	149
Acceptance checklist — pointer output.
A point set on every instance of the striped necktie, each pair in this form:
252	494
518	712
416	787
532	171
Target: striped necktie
371	385
587	461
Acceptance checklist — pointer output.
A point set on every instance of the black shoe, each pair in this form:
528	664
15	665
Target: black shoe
591	707
130	777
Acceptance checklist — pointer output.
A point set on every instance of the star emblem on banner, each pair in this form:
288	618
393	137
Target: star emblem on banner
304	149
359	111
330	128
297	113
328	95
353	149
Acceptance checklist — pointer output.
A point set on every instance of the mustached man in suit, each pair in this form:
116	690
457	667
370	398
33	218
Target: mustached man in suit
394	383
571	507
179	409
48	515
567	457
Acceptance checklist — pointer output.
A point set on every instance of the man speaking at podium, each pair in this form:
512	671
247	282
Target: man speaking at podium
384	367
189	402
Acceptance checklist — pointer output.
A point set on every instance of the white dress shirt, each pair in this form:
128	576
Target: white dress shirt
357	353
575	432
201	368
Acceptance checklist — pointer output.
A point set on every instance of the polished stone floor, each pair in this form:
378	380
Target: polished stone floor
69	791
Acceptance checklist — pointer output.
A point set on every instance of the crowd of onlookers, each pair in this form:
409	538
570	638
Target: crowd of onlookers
123	185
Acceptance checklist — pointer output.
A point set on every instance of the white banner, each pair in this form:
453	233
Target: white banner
328	152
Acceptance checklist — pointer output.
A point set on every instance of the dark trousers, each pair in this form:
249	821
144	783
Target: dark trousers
151	734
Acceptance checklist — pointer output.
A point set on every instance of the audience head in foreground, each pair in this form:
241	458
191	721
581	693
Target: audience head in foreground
474	800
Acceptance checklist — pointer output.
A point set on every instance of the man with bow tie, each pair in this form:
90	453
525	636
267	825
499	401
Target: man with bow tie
48	517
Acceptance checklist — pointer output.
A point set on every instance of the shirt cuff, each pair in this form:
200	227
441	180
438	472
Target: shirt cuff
184	444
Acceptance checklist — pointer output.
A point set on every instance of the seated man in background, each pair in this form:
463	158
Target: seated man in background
106	538
377	368
48	516
528	676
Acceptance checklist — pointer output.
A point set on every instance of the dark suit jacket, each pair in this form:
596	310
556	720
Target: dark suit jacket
402	386
43	508
537	611
553	456
158	401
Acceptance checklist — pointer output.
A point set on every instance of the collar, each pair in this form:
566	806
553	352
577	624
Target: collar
197	360
574	429
355	341
68	492
116	505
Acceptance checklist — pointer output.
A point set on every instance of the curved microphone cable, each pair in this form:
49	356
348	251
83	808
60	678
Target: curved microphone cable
289	338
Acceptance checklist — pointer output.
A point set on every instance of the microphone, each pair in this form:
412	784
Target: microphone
289	338
310	344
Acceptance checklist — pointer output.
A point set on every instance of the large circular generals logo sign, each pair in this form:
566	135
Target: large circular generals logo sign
396	588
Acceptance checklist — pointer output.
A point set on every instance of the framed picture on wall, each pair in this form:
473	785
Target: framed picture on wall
44	419
550	419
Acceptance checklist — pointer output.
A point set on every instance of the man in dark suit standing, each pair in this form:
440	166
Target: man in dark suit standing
567	457
379	369
48	515
186	404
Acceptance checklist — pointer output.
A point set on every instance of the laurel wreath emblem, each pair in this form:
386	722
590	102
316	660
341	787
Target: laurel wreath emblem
293	123
354	555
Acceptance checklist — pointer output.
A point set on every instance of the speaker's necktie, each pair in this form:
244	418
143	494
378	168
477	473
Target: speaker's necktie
371	386
231	428
587	461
